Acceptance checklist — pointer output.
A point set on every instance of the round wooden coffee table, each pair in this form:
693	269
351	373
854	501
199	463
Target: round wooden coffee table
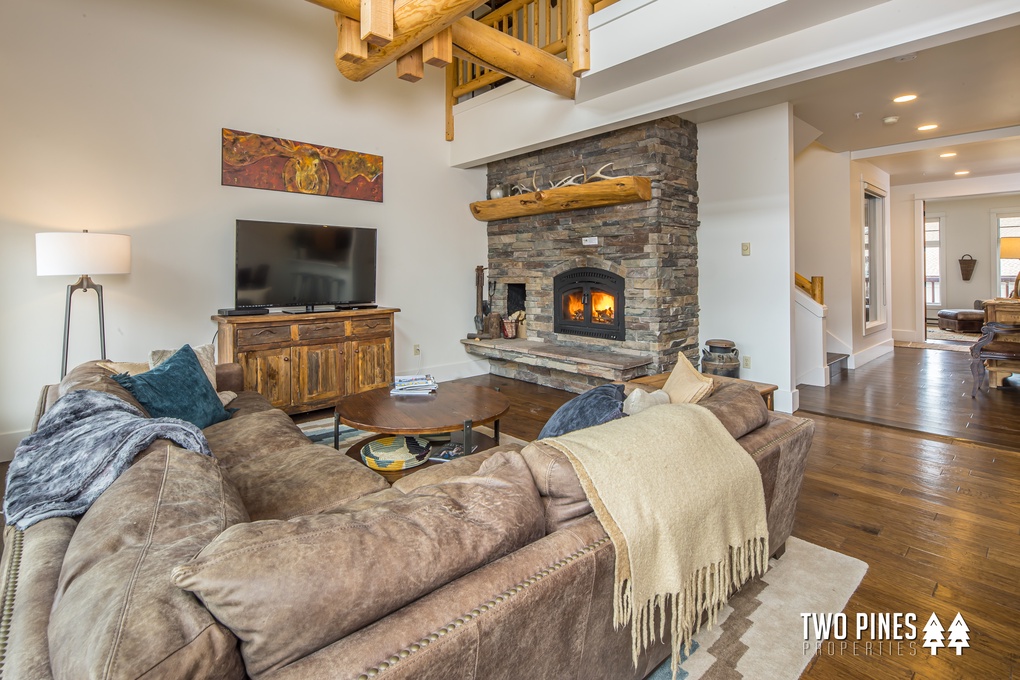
451	408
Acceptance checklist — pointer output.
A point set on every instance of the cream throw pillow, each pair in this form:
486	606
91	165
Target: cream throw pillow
638	400
685	385
206	358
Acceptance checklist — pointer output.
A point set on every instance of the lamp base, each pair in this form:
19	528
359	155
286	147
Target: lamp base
1016	288
83	284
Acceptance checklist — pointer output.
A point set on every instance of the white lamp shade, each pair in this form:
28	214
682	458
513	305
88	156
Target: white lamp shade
69	253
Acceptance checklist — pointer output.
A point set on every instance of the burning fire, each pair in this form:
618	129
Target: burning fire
601	307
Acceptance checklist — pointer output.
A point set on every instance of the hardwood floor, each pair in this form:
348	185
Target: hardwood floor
923	390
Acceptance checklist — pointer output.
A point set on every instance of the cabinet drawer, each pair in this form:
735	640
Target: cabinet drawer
262	335
320	331
372	326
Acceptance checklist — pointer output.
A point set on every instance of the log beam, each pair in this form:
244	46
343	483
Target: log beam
410	67
438	50
377	22
349	45
414	22
614	191
514	57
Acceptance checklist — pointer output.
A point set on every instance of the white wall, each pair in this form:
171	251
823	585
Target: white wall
967	225
745	180
822	215
111	115
908	202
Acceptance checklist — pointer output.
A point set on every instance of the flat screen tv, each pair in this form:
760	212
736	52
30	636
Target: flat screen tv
303	265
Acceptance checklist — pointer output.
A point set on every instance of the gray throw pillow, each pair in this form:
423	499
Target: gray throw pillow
596	406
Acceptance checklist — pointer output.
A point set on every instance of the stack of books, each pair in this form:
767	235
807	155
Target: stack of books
413	384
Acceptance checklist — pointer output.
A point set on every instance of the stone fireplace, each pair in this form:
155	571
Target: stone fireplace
566	267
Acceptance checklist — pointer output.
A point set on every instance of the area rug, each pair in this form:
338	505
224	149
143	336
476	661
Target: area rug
760	631
950	347
935	333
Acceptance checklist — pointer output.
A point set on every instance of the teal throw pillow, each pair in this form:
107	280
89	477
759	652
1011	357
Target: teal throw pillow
177	388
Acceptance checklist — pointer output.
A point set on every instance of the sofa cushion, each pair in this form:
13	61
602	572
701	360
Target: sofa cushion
288	589
92	376
594	407
303	480
177	388
685	385
563	497
738	407
116	613
258	434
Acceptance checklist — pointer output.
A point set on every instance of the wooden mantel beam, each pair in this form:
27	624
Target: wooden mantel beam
414	22
514	57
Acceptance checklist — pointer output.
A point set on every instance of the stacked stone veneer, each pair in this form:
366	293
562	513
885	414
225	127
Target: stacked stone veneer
652	244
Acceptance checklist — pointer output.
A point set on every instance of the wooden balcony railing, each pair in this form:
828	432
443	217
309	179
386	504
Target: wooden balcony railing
549	25
814	287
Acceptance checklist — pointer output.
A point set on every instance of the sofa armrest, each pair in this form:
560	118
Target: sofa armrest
229	378
28	583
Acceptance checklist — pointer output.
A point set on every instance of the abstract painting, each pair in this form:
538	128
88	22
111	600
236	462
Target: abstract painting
261	162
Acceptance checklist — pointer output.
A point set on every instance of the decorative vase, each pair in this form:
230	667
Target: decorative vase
496	192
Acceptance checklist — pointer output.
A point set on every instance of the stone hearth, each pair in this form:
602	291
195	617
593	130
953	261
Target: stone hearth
652	245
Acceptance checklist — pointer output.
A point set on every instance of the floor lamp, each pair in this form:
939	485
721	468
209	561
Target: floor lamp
72	253
1009	249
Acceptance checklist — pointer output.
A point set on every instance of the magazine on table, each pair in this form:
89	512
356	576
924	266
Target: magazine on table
413	384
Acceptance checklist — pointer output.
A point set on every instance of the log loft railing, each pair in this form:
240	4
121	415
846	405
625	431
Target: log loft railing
556	27
519	39
815	287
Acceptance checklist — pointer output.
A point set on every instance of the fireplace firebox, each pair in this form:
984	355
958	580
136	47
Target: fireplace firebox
589	302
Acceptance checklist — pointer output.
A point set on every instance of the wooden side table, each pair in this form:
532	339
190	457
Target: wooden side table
766	390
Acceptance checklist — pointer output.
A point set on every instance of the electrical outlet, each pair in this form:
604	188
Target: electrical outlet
417	350
589	240
747	362
745	249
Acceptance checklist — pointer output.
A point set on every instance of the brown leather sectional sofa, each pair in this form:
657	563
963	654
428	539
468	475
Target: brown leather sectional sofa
281	559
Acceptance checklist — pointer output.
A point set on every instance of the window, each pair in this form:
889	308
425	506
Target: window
932	260
874	243
1006	225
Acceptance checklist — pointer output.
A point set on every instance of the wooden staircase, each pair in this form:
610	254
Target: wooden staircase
837	363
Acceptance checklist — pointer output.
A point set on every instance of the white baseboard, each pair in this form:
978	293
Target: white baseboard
870	354
460	369
8	442
786	401
818	377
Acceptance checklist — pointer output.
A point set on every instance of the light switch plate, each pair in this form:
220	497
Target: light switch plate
745	249
589	240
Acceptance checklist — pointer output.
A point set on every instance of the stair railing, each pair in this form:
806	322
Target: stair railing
815	287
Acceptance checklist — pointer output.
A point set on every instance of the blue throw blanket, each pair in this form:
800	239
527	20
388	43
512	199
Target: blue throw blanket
83	443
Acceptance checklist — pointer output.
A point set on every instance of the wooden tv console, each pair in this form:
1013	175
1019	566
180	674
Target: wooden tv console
304	362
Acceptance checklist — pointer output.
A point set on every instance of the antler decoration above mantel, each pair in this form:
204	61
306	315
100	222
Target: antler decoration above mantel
412	33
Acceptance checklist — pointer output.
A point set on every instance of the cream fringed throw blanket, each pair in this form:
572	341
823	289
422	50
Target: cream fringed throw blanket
683	504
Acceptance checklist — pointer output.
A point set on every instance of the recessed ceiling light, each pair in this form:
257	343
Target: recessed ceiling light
948	154
905	98
925	128
962	172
